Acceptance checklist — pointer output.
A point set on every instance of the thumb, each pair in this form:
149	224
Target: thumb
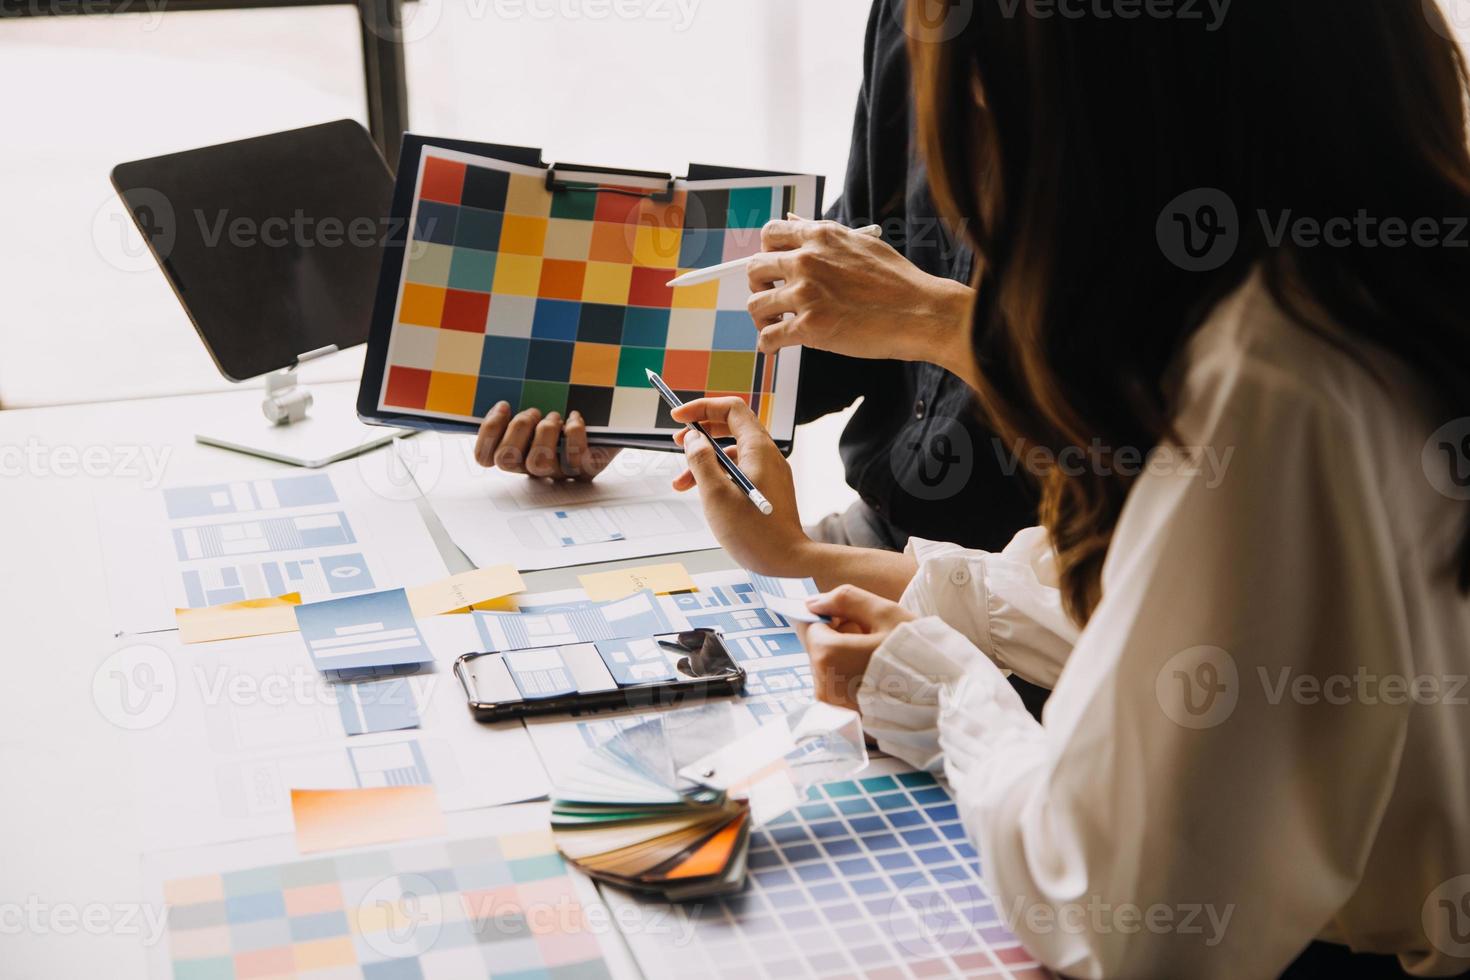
851	604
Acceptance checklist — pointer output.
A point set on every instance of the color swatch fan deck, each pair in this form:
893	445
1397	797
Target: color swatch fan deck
555	296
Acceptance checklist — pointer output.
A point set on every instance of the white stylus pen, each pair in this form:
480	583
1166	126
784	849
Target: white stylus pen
695	277
741	480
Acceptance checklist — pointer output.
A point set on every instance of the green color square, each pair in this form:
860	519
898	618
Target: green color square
845	788
578	205
750	207
537	868
251	882
914	780
429	263
472	269
368	864
549	396
878	784
633	361
318	872
731	370
215	968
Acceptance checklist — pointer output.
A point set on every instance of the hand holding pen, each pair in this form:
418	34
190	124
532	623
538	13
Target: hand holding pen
741	480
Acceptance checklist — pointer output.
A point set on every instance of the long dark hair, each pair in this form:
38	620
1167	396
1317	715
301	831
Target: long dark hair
1055	142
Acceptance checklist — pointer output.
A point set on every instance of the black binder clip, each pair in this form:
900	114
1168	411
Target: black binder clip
657	187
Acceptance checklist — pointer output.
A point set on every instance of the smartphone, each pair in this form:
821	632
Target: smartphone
644	672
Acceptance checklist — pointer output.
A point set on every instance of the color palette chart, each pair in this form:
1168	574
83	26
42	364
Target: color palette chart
557	297
870	877
467	906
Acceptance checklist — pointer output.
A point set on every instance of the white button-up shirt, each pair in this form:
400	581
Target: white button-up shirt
1262	735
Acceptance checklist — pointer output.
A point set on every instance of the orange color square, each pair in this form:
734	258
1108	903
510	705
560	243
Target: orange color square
421	305
311	899
523	235
329	819
452	394
613	243
323	954
276	961
686	370
659	214
442	180
561	279
190	891
595	364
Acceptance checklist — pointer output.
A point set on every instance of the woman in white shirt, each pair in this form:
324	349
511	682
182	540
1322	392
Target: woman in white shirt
1249	592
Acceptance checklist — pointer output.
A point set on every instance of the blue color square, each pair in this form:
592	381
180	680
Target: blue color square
549	360
895	861
701	247
892	801
404	969
868	825
254	908
842	913
954	831
833	828
504	357
939	814
830	892
965	851
869	886
880	842
786	835
788	899
932	856
934	795
478	229
878	784
845	788
647	327
855	805
801	852
472	269
774	878
814	872
750	207
815	811
905	818
920	835
914	780
435	223
322	925
852	867
842	847
734	330
556	320
491	391
764	859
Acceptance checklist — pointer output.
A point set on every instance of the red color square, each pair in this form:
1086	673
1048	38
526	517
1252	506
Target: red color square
649	288
407	388
617	208
687	370
562	279
464	310
443	180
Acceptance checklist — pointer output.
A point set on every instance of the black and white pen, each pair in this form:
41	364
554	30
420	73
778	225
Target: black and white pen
741	480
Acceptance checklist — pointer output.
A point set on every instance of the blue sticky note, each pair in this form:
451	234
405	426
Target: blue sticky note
361	632
377	706
637	660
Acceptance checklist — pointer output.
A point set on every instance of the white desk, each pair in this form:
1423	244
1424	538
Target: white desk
70	838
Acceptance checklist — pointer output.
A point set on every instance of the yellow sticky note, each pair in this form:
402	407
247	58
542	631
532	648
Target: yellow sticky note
467	589
329	819
662	579
250	617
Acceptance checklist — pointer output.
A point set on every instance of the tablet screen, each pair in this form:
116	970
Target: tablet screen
557	297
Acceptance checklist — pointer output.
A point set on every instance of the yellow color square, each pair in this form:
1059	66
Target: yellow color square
421	305
705	296
517	275
568	239
324	953
527	196
595	364
607	282
657	247
533	843
521	235
452	394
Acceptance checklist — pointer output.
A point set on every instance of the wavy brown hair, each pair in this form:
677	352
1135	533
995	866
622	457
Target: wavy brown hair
1056	142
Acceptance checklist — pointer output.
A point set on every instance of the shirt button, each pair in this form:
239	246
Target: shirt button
919	407
960	576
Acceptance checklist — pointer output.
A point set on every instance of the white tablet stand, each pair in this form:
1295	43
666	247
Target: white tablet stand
288	434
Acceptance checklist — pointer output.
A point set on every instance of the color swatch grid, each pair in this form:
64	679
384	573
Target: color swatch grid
557	299
871	877
481	906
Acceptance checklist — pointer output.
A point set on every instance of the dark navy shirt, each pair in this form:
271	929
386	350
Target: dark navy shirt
916	450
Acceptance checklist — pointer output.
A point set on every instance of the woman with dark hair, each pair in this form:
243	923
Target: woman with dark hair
1223	283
